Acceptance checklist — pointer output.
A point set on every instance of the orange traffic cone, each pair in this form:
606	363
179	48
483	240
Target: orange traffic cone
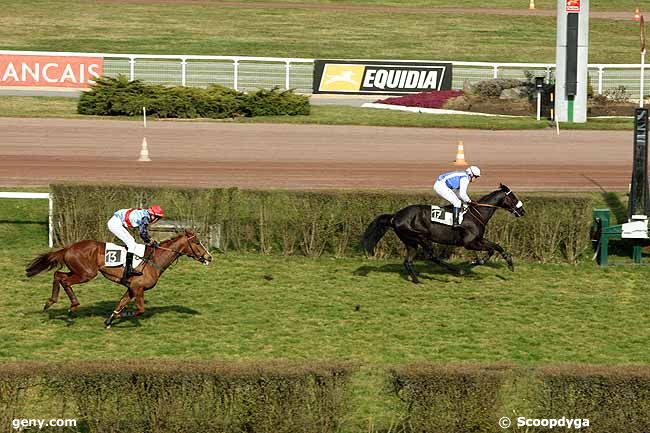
460	154
144	151
637	15
531	5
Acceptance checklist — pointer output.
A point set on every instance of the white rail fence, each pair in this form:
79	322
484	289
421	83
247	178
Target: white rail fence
36	195
252	73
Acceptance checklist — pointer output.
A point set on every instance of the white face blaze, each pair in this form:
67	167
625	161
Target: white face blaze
519	204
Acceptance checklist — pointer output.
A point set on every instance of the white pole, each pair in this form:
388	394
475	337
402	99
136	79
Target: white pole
144	117
50	225
539	105
642	86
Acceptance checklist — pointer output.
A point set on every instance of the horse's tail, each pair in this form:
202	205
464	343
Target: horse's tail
375	231
45	262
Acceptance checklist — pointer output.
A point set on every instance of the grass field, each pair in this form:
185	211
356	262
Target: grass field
232	311
25	106
209	27
307	311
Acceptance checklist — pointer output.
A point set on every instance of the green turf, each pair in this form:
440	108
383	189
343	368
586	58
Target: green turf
209	28
307	311
26	106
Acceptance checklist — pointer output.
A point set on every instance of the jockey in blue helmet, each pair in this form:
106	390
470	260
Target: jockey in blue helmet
452	187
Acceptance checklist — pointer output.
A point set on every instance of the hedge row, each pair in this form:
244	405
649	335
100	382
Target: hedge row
556	228
170	397
202	396
121	97
473	398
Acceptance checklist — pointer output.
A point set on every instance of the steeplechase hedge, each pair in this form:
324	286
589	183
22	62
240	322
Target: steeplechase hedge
169	397
210	396
458	398
121	97
313	223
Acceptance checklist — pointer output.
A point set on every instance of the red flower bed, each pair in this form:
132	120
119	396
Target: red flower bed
424	99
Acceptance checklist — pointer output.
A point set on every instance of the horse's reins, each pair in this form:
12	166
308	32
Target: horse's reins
178	254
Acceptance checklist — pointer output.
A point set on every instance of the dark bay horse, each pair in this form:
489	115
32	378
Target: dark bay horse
85	258
414	227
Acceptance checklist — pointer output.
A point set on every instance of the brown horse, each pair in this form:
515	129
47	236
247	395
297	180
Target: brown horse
85	258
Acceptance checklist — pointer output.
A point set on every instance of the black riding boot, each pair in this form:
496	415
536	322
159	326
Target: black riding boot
456	216
128	268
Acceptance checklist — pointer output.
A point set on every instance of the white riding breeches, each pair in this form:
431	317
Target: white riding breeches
447	193
115	226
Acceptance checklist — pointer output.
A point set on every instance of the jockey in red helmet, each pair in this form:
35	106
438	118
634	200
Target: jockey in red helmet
130	218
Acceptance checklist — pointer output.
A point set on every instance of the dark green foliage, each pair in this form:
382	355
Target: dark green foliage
556	228
121	97
613	398
493	88
450	398
172	396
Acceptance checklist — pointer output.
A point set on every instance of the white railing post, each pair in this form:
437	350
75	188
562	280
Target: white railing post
50	224
235	65
287	74
183	71
131	68
495	73
600	80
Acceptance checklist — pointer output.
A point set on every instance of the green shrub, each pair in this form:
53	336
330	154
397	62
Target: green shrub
556	228
493	88
121	97
450	398
613	398
168	397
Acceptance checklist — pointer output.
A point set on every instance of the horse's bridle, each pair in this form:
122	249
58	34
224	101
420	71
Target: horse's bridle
194	255
514	210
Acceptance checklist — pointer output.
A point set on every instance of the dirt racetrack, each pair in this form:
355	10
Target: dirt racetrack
41	151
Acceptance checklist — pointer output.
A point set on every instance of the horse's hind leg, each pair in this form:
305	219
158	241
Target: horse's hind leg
56	287
438	261
411	251
70	278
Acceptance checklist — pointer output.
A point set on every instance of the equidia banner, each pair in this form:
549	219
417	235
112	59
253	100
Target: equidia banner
49	71
359	77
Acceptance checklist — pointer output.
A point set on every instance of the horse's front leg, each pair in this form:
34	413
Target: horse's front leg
117	313
490	247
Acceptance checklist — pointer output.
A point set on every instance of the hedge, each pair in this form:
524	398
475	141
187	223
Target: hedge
121	97
179	397
473	397
555	228
207	396
450	398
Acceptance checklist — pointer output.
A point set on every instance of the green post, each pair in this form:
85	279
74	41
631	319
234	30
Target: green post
636	254
570	109
600	219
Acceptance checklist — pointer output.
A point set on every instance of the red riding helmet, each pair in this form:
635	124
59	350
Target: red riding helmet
156	210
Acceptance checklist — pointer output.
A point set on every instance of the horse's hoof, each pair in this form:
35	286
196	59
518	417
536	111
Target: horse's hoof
511	267
73	308
108	326
461	272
